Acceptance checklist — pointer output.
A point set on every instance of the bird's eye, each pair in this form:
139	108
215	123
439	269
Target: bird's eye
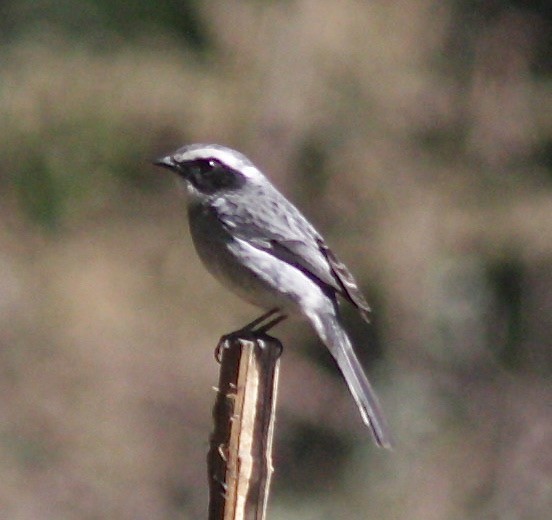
206	165
210	175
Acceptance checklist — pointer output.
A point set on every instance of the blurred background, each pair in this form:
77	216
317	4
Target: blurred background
416	135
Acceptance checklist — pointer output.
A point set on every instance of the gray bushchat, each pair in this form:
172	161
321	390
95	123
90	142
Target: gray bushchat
258	244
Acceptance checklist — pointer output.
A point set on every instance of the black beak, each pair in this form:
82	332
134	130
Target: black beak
165	162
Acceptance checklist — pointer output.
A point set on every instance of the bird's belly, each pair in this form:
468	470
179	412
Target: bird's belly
240	279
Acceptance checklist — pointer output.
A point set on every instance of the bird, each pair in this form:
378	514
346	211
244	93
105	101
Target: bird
260	246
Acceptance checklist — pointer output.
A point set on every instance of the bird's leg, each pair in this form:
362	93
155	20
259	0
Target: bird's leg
272	323
251	329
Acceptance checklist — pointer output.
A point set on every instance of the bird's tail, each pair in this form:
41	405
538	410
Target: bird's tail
335	338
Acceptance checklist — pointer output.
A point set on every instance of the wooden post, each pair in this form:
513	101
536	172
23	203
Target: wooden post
240	455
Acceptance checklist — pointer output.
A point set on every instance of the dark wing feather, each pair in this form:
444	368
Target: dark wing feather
349	287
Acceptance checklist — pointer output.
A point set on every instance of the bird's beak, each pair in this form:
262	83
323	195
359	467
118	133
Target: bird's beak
165	162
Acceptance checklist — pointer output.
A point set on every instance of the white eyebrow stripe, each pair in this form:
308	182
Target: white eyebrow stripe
227	157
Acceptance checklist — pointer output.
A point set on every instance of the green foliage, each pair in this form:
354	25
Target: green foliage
64	168
506	279
41	193
101	22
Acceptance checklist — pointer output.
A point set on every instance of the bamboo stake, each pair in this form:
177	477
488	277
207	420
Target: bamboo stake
240	455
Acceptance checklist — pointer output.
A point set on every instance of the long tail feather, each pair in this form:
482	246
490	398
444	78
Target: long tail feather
333	335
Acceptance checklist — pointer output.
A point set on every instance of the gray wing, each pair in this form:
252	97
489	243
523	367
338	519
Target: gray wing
275	225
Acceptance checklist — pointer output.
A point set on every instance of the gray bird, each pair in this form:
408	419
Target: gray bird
258	244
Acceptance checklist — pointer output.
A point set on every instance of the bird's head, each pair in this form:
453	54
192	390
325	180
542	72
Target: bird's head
209	169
